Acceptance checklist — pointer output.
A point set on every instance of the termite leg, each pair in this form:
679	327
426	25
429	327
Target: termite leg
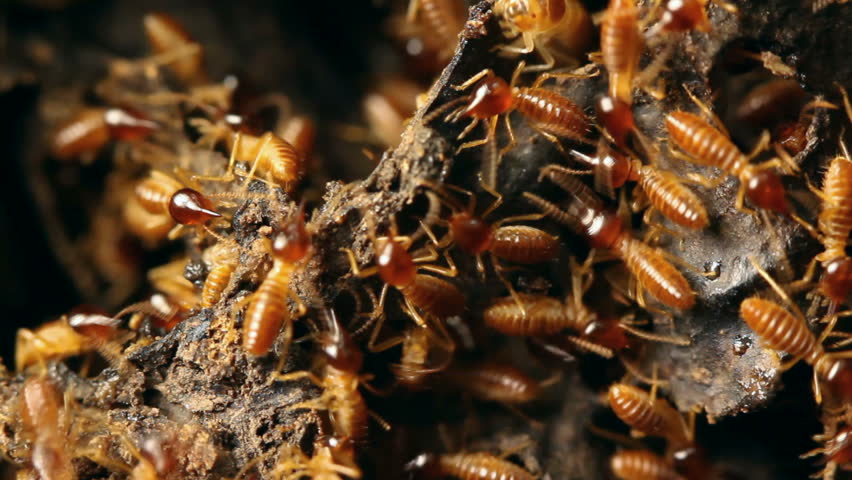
353	265
512	141
775	287
292	376
232	162
492	129
565	75
551	137
472	80
411	14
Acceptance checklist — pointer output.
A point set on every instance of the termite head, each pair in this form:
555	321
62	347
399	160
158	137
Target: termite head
685	15
602	228
764	189
396	267
491	96
836	281
191	207
839	448
339	348
616	116
606	332
127	124
838	378
293	241
424	466
94	326
158	453
471	233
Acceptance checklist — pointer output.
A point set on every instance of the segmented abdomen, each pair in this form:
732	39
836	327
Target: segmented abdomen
481	466
267	311
780	329
434	296
349	412
672	199
523	244
215	284
544	316
705	144
655	274
552	112
835	219
641	465
621	46
495	382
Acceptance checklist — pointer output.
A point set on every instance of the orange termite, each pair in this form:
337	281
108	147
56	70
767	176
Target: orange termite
835	223
540	22
223	259
687	15
399	269
641	465
269	156
168	37
268	310
621	47
417	362
443	19
466	466
650	417
604	229
664	191
300	132
343	361
332	460
707	146
788	332
41	414
548	112
494	382
91	128
616	116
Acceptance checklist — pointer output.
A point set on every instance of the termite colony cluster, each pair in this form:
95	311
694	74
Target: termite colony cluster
402	304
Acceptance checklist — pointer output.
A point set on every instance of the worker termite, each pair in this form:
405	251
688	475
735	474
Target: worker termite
541	22
324	464
621	47
91	128
514	243
176	48
342	362
706	145
649	416
784	331
494	382
549	113
268	311
604	229
641	465
223	258
45	423
664	191
465	466
417	362
443	19
398	268
270	156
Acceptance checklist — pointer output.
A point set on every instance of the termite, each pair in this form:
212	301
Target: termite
539	22
342	362
513	243
323	465
834	224
549	113
443	19
223	258
169	279
268	310
641	465
417	362
176	48
398	268
270	156
705	145
466	466
91	128
837	452
160	201
621	47
494	382
616	117
604	229
44	423
664	191
653	417
784	331
388	106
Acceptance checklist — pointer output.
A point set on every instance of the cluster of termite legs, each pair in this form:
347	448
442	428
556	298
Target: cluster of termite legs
180	196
